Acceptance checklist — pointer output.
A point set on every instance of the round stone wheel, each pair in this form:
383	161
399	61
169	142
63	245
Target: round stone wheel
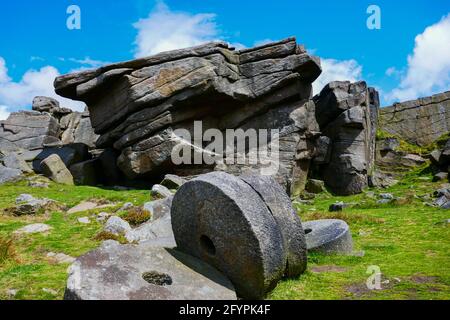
287	219
220	219
144	272
328	236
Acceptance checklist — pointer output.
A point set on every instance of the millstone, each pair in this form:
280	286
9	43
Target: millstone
144	272
287	219
328	236
220	219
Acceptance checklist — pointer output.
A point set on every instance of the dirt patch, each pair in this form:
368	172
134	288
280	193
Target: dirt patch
330	268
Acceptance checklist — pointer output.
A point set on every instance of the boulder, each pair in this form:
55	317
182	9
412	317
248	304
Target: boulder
159	191
34	228
159	208
315	186
26	204
14	161
117	226
141	108
8	174
347	115
144	272
338	206
328	236
172	181
222	220
86	172
54	168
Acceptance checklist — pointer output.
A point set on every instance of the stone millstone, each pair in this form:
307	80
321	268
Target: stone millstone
287	219
144	272
328	236
220	219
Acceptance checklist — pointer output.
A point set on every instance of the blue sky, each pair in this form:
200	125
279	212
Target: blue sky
408	57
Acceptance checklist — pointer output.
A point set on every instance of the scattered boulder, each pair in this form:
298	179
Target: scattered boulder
33	228
8	174
159	191
172	182
315	186
54	168
117	226
60	258
328	236
159	208
84	220
14	161
26	204
144	272
441	176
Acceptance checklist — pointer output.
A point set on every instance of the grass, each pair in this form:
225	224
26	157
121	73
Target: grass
405	239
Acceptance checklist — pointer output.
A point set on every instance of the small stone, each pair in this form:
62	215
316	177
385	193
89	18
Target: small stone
384	201
117	226
159	191
387	196
34	228
102	216
12	292
37	184
50	291
441	176
84	220
84	206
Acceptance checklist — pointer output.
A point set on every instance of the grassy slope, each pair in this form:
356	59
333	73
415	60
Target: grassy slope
404	240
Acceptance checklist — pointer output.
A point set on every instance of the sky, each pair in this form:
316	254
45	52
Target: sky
408	57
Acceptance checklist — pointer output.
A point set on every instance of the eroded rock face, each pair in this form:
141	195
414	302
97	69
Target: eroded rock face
144	272
420	121
136	106
347	114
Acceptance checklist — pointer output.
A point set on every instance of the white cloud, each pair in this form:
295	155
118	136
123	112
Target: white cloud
19	95
337	70
428	70
4	113
88	62
165	30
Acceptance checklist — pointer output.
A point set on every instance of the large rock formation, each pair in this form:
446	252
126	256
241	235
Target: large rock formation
136	106
28	137
347	114
420	121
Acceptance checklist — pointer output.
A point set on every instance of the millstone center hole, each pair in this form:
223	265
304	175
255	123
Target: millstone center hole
156	278
308	231
208	245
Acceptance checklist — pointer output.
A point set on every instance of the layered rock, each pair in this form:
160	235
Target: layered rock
419	122
347	114
137	106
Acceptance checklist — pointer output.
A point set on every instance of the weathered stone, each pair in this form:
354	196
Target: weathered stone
287	219
388	144
8	174
221	219
85	173
347	114
14	161
54	168
69	154
117	226
144	272
60	258
84	220
159	208
328	236
26	204
45	104
155	230
441	176
159	191
172	181
34	228
137	106
338	206
419	122
315	186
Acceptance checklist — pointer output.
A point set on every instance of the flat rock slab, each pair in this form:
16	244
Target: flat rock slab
328	236
220	219
144	272
86	206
